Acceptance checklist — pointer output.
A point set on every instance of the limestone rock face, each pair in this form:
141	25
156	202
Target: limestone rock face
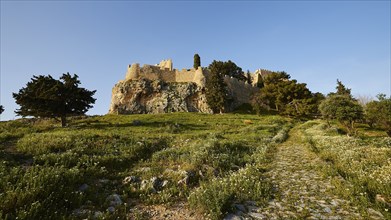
147	96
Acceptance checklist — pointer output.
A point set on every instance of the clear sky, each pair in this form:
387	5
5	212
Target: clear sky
316	42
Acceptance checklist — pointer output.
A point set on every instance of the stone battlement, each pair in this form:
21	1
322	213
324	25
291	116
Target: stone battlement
164	71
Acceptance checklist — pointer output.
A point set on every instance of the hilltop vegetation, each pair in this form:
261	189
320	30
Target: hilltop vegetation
117	166
211	166
142	159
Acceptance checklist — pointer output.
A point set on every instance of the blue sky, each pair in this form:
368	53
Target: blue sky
315	42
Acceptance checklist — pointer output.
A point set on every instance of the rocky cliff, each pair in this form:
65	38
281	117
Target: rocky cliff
157	96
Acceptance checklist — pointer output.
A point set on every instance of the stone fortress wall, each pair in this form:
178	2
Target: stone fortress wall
164	71
240	90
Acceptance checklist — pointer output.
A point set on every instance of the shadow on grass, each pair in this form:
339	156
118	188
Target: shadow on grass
147	124
9	154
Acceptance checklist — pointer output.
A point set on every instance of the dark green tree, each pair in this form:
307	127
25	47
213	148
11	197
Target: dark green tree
47	97
197	61
344	109
1	109
229	68
216	89
285	96
378	113
341	90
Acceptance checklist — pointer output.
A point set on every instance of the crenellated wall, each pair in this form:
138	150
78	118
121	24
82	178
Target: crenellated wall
161	72
240	91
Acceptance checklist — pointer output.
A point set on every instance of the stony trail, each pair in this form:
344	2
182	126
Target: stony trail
300	190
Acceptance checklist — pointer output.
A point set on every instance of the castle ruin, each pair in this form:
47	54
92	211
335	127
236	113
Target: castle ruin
164	73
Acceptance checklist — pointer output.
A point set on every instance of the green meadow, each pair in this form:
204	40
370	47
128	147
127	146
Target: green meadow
102	167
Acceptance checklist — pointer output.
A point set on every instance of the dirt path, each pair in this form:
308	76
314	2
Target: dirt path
301	192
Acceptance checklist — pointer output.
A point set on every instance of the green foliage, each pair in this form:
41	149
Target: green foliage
378	113
215	197
216	89
197	61
228	68
38	192
287	97
363	162
47	97
1	109
341	90
344	109
43	166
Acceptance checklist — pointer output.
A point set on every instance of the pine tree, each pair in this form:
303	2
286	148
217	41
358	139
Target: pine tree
342	90
51	98
1	109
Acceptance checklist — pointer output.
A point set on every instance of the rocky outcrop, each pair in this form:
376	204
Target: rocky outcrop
157	96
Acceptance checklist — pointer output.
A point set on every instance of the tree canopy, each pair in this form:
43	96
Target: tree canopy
1	109
229	68
285	96
216	89
342	107
45	96
378	113
341	90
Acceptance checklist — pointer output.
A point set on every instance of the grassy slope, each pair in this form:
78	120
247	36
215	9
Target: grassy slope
364	162
43	166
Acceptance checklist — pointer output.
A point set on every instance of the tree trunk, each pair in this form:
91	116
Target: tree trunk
63	120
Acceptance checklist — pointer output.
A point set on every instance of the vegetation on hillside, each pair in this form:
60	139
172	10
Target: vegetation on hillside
280	94
114	165
363	161
53	172
342	107
378	113
216	89
45	96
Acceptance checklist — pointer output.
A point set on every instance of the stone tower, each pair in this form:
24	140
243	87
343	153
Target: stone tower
166	64
257	78
199	77
133	72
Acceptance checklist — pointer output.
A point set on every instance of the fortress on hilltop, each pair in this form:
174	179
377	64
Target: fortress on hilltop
161	88
164	71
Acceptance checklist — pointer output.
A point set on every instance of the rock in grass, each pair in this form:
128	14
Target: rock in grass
98	214
114	200
111	209
375	214
256	215
232	217
83	187
130	179
382	199
240	207
81	212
